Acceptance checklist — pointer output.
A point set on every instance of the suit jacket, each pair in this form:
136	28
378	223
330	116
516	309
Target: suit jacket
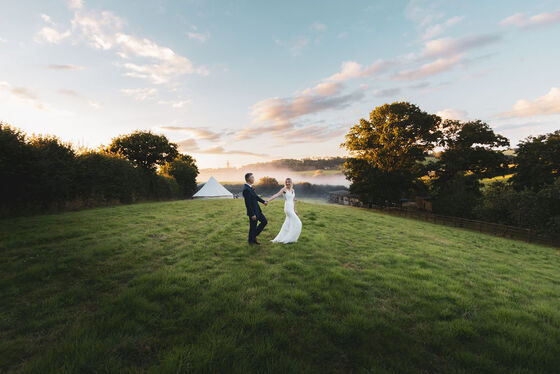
251	201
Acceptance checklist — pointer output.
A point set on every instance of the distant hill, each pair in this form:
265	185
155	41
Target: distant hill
312	170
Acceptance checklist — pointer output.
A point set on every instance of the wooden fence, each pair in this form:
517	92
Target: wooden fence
497	229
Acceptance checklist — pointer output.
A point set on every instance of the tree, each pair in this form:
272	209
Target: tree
144	149
471	153
387	150
54	169
537	162
16	165
184	170
470	147
268	182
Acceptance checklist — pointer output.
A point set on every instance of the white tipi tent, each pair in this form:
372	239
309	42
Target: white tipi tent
213	190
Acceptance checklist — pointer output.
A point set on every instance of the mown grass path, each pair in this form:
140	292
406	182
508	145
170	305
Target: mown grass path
173	287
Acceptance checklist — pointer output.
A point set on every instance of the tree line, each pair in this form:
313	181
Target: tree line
42	173
389	162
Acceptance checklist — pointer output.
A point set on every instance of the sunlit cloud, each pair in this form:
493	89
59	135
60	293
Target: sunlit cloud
282	110
438	66
64	67
452	113
102	30
50	35
548	104
71	93
352	69
198	132
23	94
452	46
522	21
190	145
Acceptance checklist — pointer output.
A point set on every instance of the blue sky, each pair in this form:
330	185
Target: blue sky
250	81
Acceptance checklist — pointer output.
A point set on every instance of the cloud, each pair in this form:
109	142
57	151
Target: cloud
295	46
221	151
440	65
437	29
2	40
280	111
277	116
75	4
293	134
175	103
419	85
23	94
50	35
387	92
317	26
324	89
452	113
198	132
190	145
520	20
452	46
422	12
77	95
351	69
187	145
140	94
548	104
63	67
201	37
47	19
102	30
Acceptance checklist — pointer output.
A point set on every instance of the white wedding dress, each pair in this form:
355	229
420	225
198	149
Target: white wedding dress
291	228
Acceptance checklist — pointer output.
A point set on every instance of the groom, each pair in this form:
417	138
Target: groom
253	209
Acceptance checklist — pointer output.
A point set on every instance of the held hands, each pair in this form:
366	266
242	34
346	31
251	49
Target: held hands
254	218
266	202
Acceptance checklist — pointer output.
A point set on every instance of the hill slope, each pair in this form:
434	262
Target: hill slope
172	287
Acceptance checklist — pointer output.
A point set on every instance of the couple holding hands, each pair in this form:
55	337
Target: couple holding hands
291	228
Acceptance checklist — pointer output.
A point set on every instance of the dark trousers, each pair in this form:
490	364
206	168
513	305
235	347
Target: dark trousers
255	229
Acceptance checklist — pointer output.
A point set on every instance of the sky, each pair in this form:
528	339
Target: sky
240	82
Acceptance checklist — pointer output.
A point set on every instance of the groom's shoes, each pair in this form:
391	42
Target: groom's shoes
256	242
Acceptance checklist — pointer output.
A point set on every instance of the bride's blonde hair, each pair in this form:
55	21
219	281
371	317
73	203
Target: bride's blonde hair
288	179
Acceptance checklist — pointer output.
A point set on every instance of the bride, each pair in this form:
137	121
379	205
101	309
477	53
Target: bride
289	233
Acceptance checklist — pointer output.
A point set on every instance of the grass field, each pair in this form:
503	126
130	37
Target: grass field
174	288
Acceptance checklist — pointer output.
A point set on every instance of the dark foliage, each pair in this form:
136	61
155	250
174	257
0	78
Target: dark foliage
43	174
185	171
388	150
537	162
144	149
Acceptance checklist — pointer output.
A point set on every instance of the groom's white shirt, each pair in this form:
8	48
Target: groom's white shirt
249	185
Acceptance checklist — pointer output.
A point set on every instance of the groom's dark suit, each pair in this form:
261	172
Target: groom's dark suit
253	209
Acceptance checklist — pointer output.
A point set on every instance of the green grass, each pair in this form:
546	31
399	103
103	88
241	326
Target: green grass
487	181
173	288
